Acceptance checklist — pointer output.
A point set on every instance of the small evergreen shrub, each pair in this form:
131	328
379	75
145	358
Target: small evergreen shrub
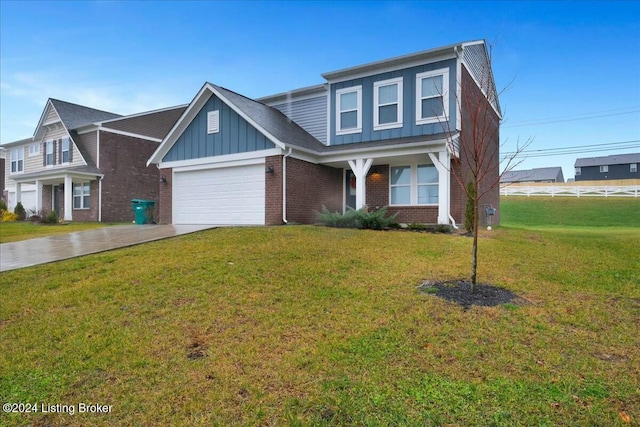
468	212
375	220
416	226
50	218
336	219
20	212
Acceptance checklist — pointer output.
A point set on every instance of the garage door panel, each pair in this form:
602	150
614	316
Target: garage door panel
233	196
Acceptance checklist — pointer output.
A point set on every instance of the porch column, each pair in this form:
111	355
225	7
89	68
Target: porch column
18	192
442	164
38	196
360	167
68	198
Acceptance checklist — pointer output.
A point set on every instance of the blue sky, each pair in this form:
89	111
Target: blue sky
572	68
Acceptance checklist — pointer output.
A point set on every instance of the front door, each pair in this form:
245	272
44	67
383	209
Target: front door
349	190
58	196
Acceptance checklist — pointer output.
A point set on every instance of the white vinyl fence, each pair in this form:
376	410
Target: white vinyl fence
570	190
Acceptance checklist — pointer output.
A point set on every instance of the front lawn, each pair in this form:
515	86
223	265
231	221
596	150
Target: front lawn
301	325
22	230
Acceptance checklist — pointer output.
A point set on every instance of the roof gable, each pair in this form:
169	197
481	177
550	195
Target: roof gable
68	115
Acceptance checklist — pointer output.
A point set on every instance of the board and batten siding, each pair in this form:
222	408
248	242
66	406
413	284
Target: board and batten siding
310	114
235	135
409	126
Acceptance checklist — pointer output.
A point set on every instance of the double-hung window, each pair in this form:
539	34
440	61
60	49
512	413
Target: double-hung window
17	160
578	171
66	156
432	96
81	196
387	104
50	154
633	167
34	150
413	185
604	169
349	110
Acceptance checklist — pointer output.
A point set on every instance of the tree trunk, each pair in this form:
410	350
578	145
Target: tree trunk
474	250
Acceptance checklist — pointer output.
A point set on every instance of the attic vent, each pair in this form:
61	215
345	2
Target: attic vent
213	121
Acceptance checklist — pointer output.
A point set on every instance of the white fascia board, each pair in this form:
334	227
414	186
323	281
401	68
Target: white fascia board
457	125
133	135
88	128
180	125
220	165
383	151
42	116
249	119
208	161
57	174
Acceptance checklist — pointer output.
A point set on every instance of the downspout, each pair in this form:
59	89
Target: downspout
453	222
284	186
99	199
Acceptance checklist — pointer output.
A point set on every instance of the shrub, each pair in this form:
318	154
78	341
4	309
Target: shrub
3	205
20	212
50	218
375	220
416	226
8	216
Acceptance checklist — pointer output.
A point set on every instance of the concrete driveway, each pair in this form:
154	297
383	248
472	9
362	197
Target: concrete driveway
55	248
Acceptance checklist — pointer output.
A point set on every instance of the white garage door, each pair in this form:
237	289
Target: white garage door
223	196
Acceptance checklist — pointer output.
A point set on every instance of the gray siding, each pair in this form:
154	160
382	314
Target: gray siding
310	114
235	135
592	173
409	127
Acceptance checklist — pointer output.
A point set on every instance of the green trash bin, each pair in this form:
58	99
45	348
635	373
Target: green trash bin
143	210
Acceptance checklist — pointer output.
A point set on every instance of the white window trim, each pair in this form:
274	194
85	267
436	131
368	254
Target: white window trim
34	150
633	168
358	128
49	143
444	72
213	122
19	151
62	150
377	105
81	196
604	169
578	171
413	201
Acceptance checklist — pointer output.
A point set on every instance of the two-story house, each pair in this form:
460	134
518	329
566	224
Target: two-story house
616	166
541	175
389	133
86	164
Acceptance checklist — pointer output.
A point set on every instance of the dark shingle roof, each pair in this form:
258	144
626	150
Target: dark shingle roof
155	124
615	159
273	121
532	175
74	116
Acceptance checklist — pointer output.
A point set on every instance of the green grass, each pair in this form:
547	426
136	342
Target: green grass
301	325
14	231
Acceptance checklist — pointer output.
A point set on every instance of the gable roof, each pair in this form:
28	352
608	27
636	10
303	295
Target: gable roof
74	116
614	159
530	175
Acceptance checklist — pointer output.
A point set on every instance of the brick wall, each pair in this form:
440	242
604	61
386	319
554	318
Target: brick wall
90	214
165	207
273	191
123	162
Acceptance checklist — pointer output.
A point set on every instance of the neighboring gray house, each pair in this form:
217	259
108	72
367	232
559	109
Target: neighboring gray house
616	166
551	174
86	164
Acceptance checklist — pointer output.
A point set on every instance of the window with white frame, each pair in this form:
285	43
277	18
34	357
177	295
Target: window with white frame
349	110
387	104
413	185
34	150
432	96
578	171
633	167
66	157
604	168
81	195
50	155
17	160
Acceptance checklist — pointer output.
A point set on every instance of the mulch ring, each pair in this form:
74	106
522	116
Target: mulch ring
459	291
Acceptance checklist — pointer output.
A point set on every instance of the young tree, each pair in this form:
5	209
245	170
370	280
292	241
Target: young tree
476	168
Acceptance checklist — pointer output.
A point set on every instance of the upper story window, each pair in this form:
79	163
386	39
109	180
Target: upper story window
578	171
387	104
413	185
349	110
604	169
17	160
49	158
432	96
633	167
34	150
65	150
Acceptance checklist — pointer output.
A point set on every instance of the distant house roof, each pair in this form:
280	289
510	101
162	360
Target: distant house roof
534	175
155	124
74	116
615	159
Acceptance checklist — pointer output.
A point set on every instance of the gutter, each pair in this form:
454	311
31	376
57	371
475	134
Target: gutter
284	186
453	222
